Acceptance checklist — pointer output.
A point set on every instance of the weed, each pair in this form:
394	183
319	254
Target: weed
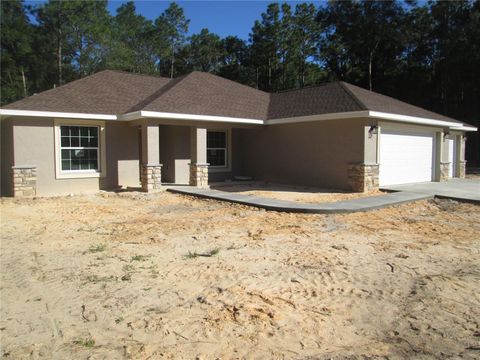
138	258
119	320
147	289
88	342
96	279
191	255
194	255
127	277
214	251
97	248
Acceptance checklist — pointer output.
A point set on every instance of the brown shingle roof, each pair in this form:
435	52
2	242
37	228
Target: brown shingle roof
323	99
207	94
106	92
116	92
377	102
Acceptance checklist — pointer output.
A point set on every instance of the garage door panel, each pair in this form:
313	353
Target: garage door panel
405	157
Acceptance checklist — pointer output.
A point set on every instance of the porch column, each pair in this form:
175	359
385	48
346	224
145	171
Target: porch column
198	157
150	169
462	163
444	165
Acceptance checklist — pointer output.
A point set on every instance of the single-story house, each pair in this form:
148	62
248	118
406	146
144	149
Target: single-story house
115	129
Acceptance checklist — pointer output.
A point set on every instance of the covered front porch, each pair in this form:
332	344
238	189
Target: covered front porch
187	154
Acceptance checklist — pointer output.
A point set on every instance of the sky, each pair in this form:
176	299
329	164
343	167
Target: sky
220	17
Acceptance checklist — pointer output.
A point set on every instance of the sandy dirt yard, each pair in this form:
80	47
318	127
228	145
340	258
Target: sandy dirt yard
304	194
164	276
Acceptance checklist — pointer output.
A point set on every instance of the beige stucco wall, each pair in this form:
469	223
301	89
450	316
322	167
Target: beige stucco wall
122	155
311	153
34	144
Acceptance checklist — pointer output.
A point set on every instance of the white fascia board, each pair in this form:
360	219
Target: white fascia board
164	115
410	119
310	118
9	112
463	128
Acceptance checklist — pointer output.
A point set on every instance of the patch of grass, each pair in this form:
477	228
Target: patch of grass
214	251
191	255
194	255
147	289
97	248
87	342
119	320
138	258
95	279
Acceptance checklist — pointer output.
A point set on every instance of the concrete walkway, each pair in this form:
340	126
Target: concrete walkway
456	189
348	206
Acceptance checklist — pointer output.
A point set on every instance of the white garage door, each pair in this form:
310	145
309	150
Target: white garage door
405	157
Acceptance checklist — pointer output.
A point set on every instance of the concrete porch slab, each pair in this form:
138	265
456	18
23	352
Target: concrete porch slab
456	189
347	206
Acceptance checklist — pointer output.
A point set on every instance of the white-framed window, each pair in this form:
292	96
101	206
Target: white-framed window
79	148
217	148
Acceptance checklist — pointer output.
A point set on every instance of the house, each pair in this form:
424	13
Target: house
115	129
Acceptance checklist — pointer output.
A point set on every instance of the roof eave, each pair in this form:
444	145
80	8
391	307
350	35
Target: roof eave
55	114
191	117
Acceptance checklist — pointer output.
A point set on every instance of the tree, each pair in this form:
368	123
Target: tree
266	44
132	42
15	51
235	61
171	28
304	40
204	51
363	40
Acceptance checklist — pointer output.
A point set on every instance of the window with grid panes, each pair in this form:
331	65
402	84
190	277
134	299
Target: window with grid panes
79	149
217	148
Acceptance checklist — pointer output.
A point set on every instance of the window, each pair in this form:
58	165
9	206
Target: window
79	148
217	148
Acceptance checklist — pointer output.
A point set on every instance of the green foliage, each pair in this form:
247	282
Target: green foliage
97	248
87	342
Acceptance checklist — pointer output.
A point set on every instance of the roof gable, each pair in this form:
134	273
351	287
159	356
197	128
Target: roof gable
207	94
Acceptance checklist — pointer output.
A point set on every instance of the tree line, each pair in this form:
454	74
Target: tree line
424	53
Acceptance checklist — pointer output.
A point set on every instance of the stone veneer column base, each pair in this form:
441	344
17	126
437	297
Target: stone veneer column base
363	177
199	175
444	170
24	180
151	177
462	167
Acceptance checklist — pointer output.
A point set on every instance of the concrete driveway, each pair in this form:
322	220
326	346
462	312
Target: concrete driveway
459	189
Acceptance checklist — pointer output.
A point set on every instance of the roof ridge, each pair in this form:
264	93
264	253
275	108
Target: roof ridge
344	86
229	80
162	90
133	73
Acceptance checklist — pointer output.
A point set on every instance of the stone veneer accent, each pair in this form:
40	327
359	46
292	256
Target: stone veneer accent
363	177
444	169
199	175
462	165
24	180
151	177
